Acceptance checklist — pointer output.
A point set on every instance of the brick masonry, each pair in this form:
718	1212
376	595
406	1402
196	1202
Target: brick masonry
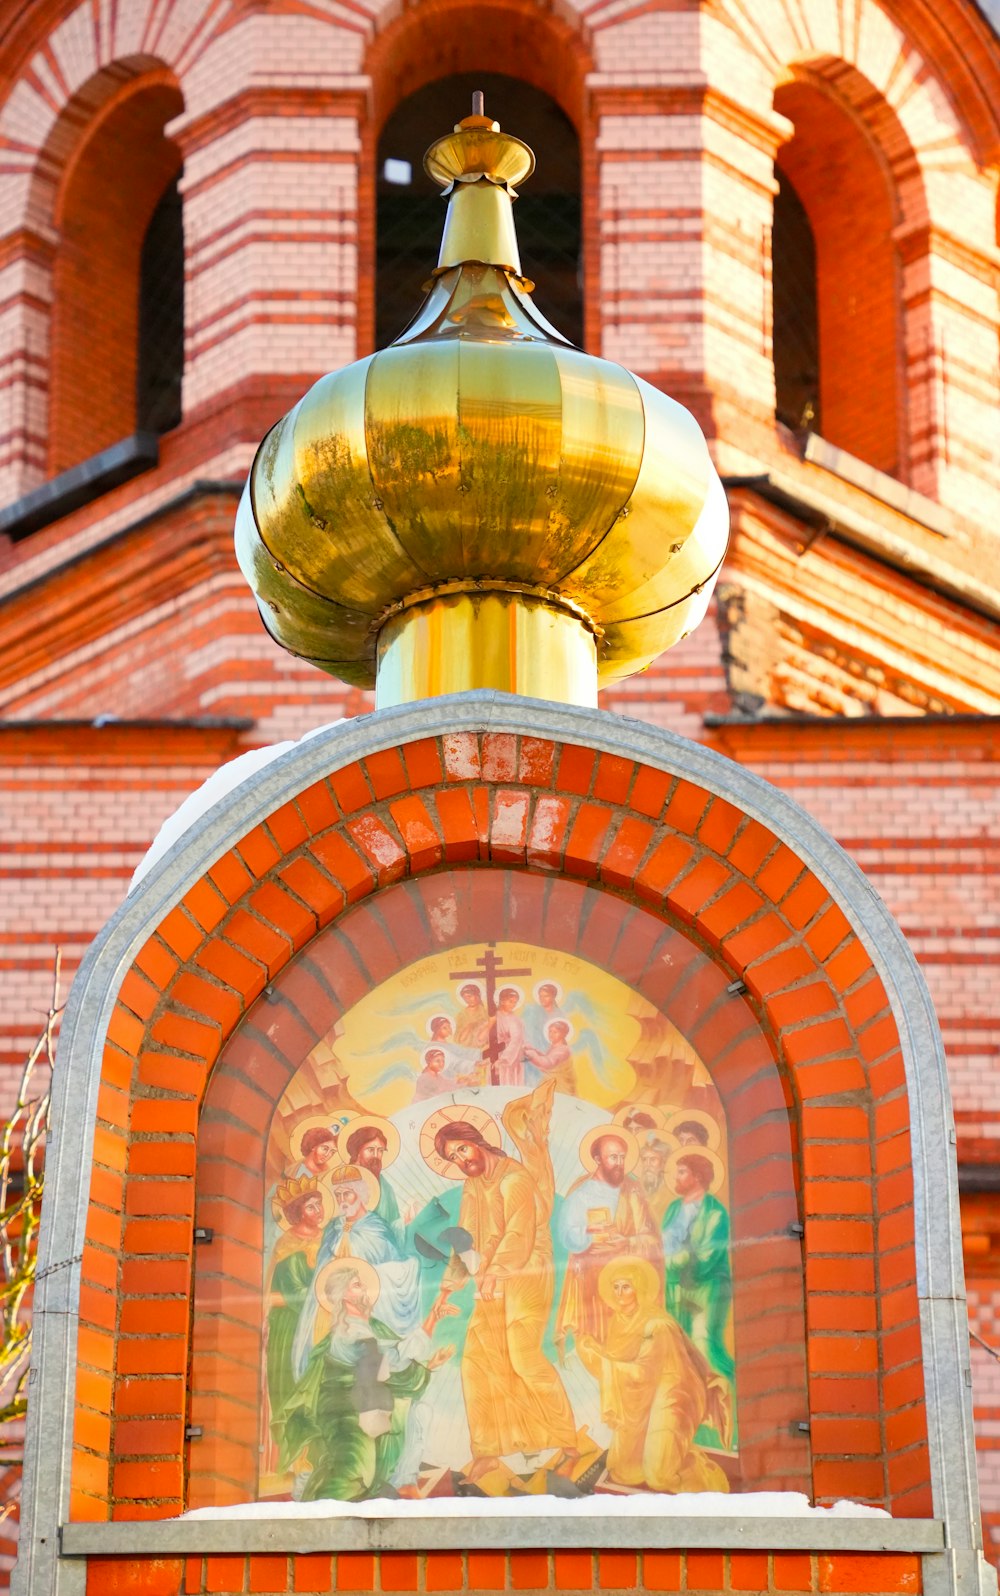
132	607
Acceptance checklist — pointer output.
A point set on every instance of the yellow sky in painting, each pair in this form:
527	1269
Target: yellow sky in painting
390	1026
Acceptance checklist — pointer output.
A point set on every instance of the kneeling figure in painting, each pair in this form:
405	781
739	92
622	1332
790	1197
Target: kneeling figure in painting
354	1425
656	1388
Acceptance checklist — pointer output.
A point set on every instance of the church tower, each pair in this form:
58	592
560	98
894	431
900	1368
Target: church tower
498	1144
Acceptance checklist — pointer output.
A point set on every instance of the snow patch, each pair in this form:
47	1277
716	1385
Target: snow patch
707	1504
211	792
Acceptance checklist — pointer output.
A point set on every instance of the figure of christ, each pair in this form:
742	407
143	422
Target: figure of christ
514	1398
473	1017
656	1389
358	1230
434	1078
557	1062
357	1416
507	1029
605	1216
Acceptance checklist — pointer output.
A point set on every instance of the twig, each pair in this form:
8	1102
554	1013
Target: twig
994	1352
22	1143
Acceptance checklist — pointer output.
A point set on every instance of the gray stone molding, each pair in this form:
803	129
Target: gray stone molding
609	1531
41	1569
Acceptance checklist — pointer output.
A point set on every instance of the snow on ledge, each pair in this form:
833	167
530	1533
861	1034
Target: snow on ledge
211	792
705	1504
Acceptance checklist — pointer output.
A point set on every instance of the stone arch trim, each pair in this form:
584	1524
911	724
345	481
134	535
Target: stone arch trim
251	883
659	839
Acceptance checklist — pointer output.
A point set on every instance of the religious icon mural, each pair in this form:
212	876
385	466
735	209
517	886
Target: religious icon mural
497	1244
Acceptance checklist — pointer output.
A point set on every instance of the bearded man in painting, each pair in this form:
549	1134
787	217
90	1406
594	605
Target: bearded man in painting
605	1216
514	1398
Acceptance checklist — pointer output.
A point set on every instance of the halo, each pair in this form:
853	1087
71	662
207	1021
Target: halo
355	1266
656	1114
438	1015
317	1189
538	987
718	1166
660	1138
483	1122
314	1122
474	981
699	1117
587	1158
375	1122
645	1280
570	1028
512	986
368	1181
435	1047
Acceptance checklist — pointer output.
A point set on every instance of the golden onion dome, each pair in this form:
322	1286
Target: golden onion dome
481	503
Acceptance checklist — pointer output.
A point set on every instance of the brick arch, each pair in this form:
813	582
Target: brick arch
438	38
636	830
852	189
108	156
869	40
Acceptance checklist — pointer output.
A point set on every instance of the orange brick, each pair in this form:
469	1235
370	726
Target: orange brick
443	1571
313	1572
792	1572
859	1572
661	1570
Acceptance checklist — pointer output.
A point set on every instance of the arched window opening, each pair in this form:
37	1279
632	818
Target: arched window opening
795	315
835	269
116	198
547	211
161	316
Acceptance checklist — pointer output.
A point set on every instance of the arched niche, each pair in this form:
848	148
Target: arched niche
650	1042
486	784
542	52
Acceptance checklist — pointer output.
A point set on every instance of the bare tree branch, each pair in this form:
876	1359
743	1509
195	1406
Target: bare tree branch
22	1177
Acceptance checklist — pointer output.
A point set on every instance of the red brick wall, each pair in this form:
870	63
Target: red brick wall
760	1572
664	844
678	182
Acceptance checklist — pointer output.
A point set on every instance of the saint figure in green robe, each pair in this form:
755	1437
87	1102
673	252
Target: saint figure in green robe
699	1283
300	1209
354	1425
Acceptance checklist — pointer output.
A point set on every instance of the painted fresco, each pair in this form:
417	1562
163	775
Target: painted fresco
498	1247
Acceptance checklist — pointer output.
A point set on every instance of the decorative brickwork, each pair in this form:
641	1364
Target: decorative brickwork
132	606
716	1572
631	830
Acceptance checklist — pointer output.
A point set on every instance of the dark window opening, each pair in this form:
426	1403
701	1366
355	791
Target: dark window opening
161	316
796	315
410	212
